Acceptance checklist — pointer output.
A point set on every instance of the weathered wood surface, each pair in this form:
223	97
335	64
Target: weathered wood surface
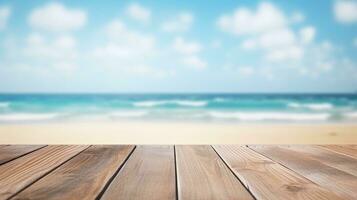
178	172
11	152
267	179
149	173
338	161
21	172
340	182
80	178
347	150
203	175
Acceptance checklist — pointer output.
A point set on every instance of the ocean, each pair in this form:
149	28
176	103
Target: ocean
235	108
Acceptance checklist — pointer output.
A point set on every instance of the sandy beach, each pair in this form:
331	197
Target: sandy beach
133	132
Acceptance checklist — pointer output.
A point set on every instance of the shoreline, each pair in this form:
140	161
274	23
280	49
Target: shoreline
154	132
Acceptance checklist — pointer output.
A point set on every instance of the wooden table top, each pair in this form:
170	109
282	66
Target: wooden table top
178	172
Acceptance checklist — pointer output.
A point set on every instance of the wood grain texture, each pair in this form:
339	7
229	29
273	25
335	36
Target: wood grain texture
340	182
203	175
267	179
82	177
10	152
19	173
148	174
347	150
332	159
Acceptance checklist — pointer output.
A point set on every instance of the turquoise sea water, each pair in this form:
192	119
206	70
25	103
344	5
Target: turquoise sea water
186	107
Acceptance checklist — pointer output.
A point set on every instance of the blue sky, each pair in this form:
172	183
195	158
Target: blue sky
178	46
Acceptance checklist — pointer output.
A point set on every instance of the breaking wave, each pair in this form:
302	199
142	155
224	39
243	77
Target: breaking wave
170	102
27	116
4	104
351	115
129	114
312	106
274	116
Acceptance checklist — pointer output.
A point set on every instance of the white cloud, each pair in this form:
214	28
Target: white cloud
59	52
246	71
271	39
285	54
124	43
118	33
267	31
319	59
245	21
277	38
194	62
323	57
55	17
65	42
180	23
62	47
186	47
277	45
145	70
297	17
307	34
189	51
129	58
42	54
139	12
250	44
326	46
345	11
129	51
4	16
216	44
136	53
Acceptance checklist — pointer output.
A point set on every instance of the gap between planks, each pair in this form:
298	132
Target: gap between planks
82	176
176	161
9	153
23	172
344	184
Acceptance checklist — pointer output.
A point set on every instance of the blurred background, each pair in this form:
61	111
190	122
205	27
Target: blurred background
219	60
186	46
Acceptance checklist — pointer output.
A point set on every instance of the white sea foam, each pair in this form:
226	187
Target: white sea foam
218	99
27	116
148	103
294	105
275	116
4	104
136	113
312	106
191	103
170	102
351	115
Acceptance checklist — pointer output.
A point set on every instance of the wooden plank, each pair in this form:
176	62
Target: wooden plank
18	174
82	177
202	174
337	181
347	150
267	179
332	159
149	173
11	152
